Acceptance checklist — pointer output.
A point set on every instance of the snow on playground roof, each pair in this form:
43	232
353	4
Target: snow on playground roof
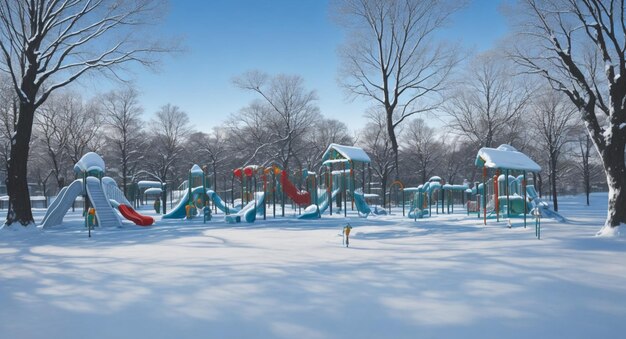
505	157
348	152
89	162
153	190
195	169
148	183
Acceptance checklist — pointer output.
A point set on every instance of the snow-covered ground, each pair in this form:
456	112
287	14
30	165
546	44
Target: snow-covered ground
442	277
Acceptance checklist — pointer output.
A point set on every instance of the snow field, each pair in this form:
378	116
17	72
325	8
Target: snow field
446	276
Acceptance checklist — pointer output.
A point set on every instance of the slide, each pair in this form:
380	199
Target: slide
105	214
132	215
543	206
315	211
179	211
299	197
361	205
60	205
250	211
324	203
217	200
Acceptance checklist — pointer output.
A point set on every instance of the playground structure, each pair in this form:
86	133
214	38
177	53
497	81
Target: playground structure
504	194
102	193
434	192
339	164
194	195
507	192
145	189
261	187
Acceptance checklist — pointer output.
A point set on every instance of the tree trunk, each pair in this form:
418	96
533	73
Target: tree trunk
587	183
615	169
394	142
17	182
124	175
164	197
553	183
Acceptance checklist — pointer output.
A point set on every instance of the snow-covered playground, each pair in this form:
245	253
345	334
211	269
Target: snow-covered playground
447	276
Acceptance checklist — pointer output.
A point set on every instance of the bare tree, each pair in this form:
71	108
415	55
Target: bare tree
321	134
46	45
171	129
564	39
487	106
586	160
422	148
552	119
8	118
454	157
52	130
376	143
280	119
122	114
391	57
84	126
212	149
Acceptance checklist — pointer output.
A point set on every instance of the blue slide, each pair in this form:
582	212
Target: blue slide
315	211
541	205
179	211
220	203
361	205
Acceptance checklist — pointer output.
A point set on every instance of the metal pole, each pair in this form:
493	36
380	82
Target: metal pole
496	193
525	197
345	191
330	198
508	201
403	199
485	195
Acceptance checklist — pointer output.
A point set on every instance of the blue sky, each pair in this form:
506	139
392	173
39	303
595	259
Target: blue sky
224	38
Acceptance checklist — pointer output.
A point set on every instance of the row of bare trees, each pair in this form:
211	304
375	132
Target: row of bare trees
283	126
393	57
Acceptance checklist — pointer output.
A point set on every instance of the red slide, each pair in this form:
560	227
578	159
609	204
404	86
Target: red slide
299	197
132	215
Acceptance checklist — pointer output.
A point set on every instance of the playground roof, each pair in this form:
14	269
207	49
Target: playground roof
196	170
505	157
148	184
89	162
354	154
153	190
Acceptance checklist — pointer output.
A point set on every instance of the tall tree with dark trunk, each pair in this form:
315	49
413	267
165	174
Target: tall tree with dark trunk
46	45
391	56
566	42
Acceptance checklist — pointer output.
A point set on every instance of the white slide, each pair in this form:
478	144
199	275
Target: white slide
105	214
60	205
248	212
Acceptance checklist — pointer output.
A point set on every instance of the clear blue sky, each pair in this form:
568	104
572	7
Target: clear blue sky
225	38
